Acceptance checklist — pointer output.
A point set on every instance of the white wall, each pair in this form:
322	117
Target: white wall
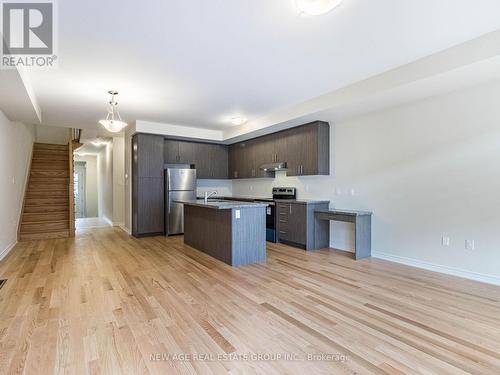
129	132
52	134
118	181
16	145
224	188
426	169
91	192
105	182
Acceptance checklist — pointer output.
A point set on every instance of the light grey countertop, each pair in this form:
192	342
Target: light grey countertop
248	198
345	212
242	198
225	205
302	201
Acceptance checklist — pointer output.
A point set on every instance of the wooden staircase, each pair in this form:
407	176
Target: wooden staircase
46	212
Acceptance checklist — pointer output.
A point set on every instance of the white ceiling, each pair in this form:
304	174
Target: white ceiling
197	63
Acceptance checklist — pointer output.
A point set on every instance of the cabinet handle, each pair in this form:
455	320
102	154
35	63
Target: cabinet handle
282	232
290	209
298	170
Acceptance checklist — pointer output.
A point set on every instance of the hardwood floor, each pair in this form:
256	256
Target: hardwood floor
106	303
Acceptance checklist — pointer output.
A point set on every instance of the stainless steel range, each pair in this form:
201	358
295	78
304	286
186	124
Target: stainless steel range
278	193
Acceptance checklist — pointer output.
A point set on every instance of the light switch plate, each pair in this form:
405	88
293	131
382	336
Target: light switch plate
470	245
445	241
237	214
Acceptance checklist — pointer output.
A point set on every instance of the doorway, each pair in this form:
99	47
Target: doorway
79	177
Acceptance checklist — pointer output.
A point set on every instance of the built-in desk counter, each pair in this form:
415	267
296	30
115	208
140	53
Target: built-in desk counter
363	227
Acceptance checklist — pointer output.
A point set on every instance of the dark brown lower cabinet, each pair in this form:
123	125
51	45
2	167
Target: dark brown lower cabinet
296	224
147	185
150	205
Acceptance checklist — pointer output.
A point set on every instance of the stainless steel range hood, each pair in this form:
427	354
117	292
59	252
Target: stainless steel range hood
273	167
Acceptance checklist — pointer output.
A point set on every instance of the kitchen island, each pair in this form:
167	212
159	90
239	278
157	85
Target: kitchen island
231	231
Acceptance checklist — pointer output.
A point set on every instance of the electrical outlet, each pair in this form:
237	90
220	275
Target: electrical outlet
237	214
445	241
470	245
352	192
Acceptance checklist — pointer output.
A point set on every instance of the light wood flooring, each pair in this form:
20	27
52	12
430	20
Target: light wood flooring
106	303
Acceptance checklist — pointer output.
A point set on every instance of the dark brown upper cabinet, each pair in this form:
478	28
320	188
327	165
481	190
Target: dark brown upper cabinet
238	160
210	160
179	152
171	151
148	154
308	149
305	149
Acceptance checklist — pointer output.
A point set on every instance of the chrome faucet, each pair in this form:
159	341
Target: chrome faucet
209	195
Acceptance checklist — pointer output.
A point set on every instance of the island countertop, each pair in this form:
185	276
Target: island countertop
222	205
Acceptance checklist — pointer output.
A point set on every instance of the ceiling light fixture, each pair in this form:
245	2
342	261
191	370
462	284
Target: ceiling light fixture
316	7
110	123
238	120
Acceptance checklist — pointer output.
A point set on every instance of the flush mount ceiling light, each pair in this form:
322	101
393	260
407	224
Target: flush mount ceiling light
113	121
316	7
238	120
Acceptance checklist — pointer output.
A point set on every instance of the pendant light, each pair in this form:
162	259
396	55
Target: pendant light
112	124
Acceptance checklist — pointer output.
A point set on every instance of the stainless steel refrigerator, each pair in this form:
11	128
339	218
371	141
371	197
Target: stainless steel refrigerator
180	184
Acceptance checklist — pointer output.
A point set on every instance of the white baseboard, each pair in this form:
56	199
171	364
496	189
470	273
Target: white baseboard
489	279
7	250
125	229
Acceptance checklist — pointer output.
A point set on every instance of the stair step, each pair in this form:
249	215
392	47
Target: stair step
39	186
49	157
45	216
49	180
49	146
49	173
33	194
46	209
49	164
51	151
44	226
47	201
43	236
